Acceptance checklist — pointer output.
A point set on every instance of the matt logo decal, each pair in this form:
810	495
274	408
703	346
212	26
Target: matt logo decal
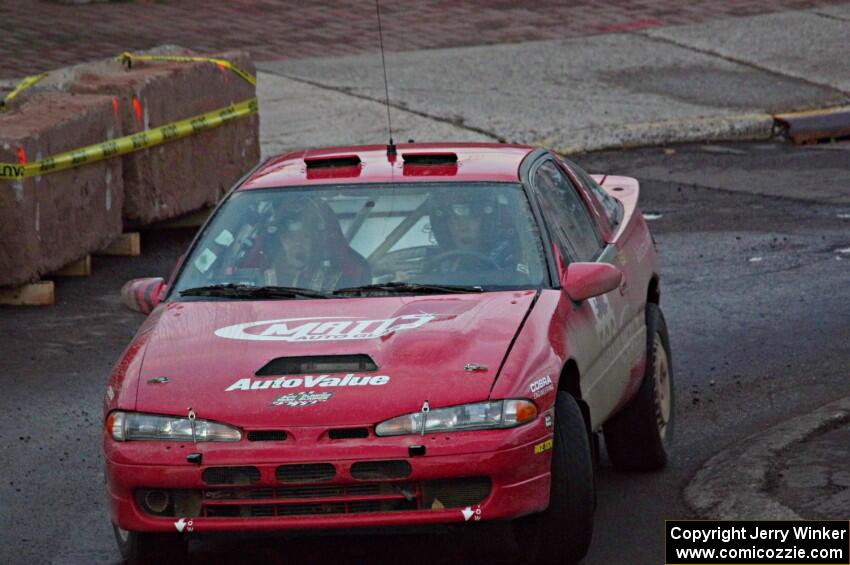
322	329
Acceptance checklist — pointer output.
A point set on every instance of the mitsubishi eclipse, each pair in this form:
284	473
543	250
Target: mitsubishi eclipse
379	336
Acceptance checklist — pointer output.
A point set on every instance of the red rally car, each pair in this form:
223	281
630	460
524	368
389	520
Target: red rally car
390	336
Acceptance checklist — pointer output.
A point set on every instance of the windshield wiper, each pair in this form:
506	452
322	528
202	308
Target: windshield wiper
249	291
404	287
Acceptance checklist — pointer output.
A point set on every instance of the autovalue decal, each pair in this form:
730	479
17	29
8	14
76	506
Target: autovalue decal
309	381
323	328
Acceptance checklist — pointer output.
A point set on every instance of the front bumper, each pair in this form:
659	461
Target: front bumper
512	461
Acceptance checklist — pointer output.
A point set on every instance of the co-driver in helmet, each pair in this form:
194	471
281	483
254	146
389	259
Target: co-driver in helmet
310	250
472	232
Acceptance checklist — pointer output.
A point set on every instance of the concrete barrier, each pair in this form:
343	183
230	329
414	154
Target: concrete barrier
49	221
183	175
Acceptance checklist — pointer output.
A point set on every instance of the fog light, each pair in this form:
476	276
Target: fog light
156	501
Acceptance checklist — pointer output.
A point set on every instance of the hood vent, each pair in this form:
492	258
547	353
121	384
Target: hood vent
317	364
332	162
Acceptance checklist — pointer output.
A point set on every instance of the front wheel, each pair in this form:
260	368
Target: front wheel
638	437
138	548
562	533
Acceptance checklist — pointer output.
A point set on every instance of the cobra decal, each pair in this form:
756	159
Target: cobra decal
322	328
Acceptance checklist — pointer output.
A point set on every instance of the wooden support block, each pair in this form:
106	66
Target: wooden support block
81	268
125	245
191	220
34	294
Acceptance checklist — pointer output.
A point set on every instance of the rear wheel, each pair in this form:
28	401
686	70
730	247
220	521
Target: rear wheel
141	547
562	533
638	437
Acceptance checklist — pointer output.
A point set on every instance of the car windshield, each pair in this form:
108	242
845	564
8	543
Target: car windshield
366	240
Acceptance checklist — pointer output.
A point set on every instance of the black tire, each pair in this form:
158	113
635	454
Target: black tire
138	548
638	438
562	533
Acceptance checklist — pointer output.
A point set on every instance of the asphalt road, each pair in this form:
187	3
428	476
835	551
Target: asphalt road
755	293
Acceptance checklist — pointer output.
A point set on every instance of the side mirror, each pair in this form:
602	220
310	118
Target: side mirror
142	295
581	281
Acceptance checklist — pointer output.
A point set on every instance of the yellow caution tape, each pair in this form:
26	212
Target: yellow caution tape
129	143
129	57
23	85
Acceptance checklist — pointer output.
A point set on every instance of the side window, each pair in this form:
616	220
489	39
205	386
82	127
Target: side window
566	215
613	209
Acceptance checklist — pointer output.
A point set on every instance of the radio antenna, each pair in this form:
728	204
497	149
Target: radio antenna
391	150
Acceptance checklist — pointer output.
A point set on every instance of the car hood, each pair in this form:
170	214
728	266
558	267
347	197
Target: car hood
210	351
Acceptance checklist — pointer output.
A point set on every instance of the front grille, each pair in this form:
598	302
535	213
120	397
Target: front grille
307	509
305	500
348	433
455	493
378	470
310	500
231	475
261	511
305	473
270	510
317	491
240	494
267	435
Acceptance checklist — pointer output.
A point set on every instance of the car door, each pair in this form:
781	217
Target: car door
595	326
627	248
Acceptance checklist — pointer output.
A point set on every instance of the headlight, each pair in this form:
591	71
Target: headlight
478	416
129	426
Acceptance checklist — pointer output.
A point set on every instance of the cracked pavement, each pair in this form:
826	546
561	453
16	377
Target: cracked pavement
715	80
814	479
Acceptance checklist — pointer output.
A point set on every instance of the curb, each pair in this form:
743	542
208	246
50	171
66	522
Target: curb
733	484
738	127
815	125
808	126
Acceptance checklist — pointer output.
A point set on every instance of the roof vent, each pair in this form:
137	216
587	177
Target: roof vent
317	364
429	158
334	162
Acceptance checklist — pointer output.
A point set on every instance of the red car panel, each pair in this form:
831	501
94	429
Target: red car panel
203	355
476	162
409	347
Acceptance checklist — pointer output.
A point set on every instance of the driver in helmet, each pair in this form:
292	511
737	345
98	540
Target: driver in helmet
310	250
471	233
